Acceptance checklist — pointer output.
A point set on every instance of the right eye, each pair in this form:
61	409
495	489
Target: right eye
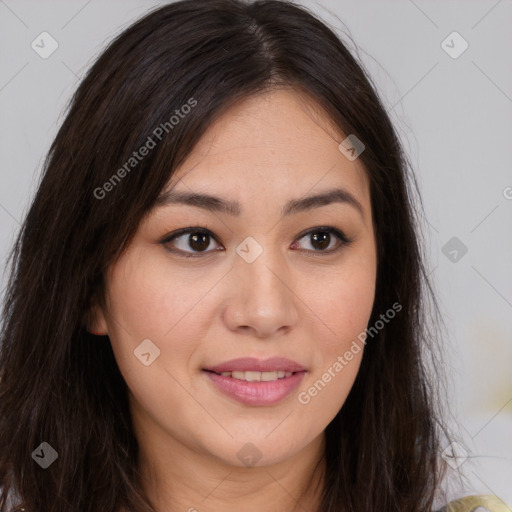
195	238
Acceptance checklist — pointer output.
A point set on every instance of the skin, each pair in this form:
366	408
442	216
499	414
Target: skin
199	312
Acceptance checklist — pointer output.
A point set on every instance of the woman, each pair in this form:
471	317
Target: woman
217	298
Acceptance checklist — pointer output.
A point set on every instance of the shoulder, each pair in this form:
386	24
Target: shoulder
486	503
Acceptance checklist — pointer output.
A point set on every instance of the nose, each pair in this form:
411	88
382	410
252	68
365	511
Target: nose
262	301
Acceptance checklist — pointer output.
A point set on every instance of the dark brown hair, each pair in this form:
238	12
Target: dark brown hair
60	386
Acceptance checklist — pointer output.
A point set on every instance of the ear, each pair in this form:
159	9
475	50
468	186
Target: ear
94	319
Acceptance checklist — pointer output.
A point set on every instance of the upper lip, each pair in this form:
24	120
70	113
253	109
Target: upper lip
246	364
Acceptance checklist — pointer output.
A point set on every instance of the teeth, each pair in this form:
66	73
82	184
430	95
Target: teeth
251	376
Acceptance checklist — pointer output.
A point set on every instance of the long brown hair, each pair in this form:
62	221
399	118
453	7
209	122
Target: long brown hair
60	386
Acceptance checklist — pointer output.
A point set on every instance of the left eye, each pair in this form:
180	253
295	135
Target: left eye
199	240
320	239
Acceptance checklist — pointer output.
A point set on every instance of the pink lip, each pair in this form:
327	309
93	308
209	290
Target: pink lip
256	393
247	364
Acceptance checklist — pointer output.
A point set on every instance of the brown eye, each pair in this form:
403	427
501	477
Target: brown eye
189	242
322	238
199	242
196	242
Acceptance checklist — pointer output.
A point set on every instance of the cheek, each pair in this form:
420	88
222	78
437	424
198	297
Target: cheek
144	305
343	302
342	308
143	294
348	311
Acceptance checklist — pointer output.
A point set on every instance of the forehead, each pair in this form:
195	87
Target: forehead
273	146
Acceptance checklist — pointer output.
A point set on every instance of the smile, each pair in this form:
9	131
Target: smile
254	376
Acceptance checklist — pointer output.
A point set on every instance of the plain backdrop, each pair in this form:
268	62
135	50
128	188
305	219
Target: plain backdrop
453	112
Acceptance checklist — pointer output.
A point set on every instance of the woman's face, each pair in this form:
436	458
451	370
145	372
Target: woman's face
267	279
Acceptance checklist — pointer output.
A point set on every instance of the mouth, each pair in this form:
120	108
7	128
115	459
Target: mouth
255	376
256	382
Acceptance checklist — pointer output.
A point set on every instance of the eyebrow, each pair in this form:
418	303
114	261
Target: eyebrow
233	208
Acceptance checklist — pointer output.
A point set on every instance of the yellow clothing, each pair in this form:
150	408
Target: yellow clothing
477	504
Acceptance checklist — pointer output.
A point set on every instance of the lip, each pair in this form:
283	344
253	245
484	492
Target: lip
247	364
256	393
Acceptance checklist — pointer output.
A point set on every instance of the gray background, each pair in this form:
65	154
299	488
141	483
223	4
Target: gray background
454	118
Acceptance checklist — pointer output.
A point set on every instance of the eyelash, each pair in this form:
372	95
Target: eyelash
342	239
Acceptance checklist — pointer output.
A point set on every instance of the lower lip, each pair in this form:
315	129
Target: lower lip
256	393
